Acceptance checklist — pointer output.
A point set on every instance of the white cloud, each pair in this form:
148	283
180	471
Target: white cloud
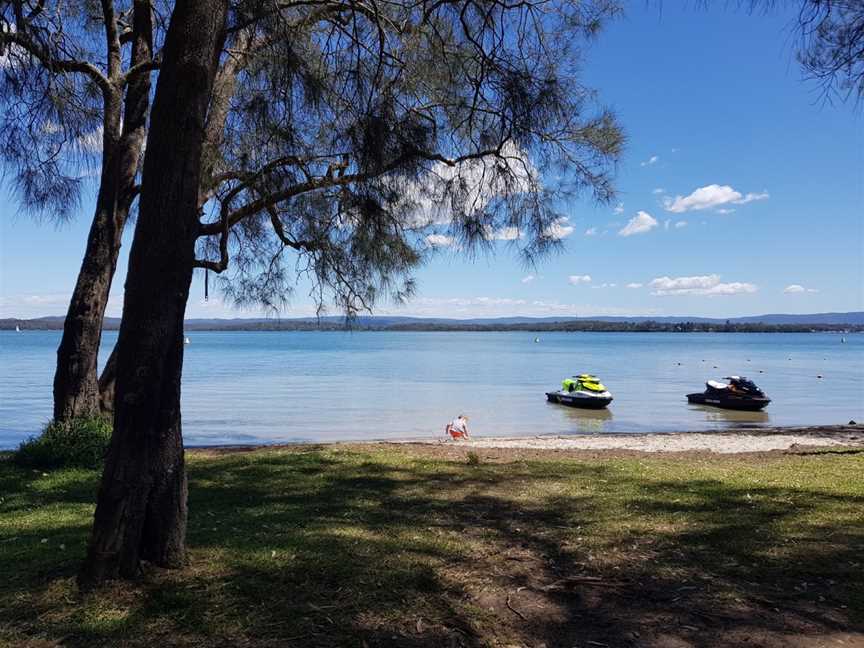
654	159
502	234
591	231
6	60
680	224
91	142
642	222
427	196
619	208
439	240
724	210
710	196
575	280
49	305
55	304
797	288
31	305
634	285
528	279
608	285
470	307
698	285
559	229
658	190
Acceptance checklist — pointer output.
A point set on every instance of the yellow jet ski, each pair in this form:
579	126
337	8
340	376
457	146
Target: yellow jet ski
584	390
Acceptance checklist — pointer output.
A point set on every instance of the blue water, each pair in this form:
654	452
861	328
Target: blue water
267	387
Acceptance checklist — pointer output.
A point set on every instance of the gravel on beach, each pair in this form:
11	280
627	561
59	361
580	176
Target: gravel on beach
732	442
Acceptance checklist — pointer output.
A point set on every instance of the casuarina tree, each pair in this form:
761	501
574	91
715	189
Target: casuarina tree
830	42
832	45
343	141
74	96
141	510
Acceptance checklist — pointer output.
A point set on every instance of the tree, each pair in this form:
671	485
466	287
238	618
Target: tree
347	135
832	45
66	100
141	511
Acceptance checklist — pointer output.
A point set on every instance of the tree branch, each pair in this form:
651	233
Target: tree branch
144	67
40	5
112	39
279	229
222	264
54	64
326	182
270	200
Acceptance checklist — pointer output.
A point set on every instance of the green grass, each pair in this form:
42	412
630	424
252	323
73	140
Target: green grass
333	546
79	443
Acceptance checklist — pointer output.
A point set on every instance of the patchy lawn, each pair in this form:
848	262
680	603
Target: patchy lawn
393	546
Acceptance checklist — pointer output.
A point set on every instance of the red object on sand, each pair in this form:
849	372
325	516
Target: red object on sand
456	434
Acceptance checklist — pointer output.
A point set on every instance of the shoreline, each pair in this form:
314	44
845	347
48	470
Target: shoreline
744	441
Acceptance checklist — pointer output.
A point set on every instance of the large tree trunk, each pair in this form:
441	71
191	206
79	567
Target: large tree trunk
76	391
224	84
76	388
141	508
107	384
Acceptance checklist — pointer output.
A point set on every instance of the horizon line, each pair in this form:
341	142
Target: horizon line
468	318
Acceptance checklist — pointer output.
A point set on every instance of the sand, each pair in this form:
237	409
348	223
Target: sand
750	440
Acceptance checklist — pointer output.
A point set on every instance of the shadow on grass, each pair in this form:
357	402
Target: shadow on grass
333	548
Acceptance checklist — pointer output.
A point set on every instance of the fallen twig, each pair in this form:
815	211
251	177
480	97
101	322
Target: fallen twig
580	580
514	610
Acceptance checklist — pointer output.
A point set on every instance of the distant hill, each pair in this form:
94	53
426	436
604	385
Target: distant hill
771	322
855	318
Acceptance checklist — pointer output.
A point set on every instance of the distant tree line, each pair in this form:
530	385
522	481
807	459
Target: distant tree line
646	326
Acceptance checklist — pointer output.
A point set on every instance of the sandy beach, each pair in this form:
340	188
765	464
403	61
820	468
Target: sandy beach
732	442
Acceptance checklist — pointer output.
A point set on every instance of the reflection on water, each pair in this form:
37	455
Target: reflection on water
582	421
733	418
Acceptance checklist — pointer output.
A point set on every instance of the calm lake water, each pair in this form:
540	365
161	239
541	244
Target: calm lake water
267	387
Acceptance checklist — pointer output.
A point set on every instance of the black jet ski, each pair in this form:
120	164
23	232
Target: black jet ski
583	390
738	394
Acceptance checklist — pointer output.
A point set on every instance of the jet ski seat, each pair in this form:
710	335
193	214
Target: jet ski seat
716	385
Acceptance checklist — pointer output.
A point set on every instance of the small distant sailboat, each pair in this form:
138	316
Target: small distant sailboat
536	340
186	340
18	330
842	340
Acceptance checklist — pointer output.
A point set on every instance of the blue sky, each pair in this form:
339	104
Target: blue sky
740	193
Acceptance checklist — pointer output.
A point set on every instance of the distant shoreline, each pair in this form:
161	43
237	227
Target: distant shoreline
843	323
582	327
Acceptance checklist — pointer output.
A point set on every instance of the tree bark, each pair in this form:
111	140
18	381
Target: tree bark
107	384
76	391
76	387
141	508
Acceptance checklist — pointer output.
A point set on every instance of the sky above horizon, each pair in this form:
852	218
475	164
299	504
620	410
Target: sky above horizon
741	192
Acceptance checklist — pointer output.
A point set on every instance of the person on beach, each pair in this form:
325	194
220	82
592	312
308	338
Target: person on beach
458	428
